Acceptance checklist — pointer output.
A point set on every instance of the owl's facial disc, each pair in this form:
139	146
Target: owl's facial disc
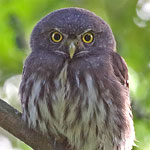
75	44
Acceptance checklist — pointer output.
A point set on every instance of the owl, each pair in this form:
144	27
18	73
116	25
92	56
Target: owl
75	85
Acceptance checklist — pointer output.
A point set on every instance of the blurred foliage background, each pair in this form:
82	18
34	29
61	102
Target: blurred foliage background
130	22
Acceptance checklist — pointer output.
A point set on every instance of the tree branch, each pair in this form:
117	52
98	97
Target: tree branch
10	120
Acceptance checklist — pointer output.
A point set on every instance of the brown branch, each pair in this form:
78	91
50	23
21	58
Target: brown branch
10	120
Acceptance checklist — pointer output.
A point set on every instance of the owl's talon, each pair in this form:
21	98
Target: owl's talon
59	140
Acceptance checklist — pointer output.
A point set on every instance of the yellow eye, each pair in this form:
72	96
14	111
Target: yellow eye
56	37
87	37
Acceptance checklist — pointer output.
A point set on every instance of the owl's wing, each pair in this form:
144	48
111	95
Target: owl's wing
120	69
23	83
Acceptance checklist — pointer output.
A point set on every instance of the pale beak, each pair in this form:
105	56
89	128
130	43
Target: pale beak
72	49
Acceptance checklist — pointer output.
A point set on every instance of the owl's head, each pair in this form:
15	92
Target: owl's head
72	32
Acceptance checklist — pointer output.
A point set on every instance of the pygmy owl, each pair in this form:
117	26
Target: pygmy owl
75	85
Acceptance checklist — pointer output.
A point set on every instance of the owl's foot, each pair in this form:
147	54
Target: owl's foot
59	140
64	141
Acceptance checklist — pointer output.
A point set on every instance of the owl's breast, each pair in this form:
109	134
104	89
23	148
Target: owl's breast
67	105
76	109
73	105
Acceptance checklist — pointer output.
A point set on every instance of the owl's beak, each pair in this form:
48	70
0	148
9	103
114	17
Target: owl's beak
72	49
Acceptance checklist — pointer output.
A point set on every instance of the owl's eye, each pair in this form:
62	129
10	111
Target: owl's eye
56	37
87	37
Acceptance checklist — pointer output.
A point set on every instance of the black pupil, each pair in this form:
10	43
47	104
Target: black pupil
57	36
87	37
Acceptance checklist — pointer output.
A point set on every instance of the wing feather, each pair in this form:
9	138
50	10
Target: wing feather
120	69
